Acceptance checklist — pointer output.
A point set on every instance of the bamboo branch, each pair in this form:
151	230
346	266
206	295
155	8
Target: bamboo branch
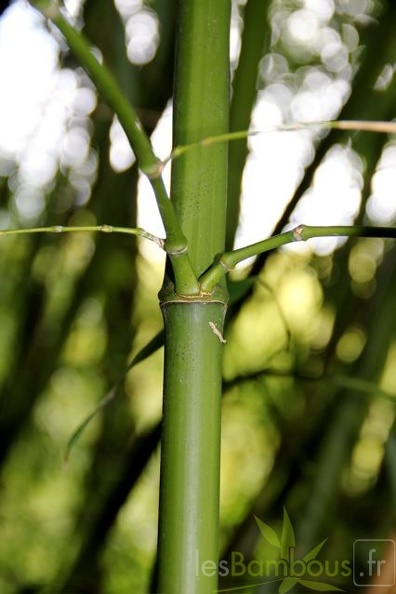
175	243
381	127
229	260
92	228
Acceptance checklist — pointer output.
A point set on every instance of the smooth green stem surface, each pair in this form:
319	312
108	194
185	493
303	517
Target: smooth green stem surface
190	454
229	260
201	109
190	451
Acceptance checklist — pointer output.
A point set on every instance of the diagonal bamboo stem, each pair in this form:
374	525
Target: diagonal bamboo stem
175	243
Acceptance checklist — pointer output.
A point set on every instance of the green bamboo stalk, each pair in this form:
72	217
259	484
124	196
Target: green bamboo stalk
201	109
255	37
190	454
189	494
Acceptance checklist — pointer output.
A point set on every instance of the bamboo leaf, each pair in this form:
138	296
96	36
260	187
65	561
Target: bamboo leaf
313	554
268	533
288	539
151	347
81	428
320	586
287	584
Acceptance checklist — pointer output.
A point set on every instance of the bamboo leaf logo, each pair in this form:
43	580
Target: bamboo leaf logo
268	533
314	553
288	539
319	586
296	568
287	584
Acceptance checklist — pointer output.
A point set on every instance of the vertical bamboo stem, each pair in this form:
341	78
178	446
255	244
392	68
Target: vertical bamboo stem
189	489
201	109
188	532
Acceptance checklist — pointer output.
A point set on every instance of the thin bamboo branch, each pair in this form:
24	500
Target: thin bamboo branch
57	229
381	127
175	243
229	260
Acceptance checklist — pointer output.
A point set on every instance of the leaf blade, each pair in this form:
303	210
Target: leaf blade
288	538
287	584
320	586
268	533
151	347
313	554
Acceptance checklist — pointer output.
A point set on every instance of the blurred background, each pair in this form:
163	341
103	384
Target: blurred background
310	360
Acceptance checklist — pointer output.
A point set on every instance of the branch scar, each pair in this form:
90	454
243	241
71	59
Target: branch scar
217	332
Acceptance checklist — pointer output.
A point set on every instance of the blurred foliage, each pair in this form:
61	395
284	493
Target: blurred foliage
310	359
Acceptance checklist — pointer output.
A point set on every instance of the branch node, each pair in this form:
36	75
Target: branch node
298	233
154	171
225	266
48	8
176	250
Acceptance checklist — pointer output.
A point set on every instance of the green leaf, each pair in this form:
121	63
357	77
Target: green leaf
319	586
287	584
81	428
268	533
313	554
288	539
150	348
